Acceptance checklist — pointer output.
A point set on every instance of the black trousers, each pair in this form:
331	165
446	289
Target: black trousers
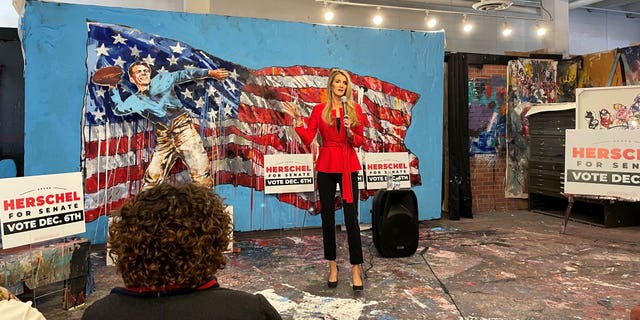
327	189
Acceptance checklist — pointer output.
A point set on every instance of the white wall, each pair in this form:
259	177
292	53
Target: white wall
485	38
597	31
589	32
8	15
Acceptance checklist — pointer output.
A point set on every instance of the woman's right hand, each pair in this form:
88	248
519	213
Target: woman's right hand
291	109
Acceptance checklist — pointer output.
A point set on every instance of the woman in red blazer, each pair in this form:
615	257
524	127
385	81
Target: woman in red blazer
340	123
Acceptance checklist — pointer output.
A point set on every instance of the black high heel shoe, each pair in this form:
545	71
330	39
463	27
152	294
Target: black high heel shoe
361	275
333	284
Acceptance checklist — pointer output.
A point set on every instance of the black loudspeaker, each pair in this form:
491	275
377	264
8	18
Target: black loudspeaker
395	222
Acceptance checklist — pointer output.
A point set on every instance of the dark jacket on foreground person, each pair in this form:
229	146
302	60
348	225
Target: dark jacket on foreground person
212	303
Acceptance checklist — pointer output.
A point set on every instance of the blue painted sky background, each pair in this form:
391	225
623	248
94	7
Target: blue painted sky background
54	41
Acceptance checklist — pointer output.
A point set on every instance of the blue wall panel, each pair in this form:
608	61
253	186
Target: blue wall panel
54	37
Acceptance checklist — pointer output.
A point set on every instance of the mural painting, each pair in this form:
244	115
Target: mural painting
227	77
530	82
487	110
157	108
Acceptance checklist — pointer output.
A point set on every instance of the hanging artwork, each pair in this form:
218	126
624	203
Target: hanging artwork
530	82
487	110
631	63
600	70
567	80
608	108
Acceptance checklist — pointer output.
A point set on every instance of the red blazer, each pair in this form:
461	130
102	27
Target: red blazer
335	145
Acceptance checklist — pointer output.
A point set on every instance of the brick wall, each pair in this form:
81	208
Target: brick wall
487	71
487	184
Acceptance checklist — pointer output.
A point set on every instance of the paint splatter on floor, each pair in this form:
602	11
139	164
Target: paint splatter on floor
497	266
310	306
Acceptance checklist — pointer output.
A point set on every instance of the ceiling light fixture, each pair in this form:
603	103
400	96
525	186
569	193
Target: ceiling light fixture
506	29
486	8
377	19
328	13
540	30
430	20
466	25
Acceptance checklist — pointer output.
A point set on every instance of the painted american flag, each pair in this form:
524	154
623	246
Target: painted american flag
240	119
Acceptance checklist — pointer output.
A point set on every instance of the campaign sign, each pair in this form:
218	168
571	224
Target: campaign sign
285	173
378	166
603	163
39	208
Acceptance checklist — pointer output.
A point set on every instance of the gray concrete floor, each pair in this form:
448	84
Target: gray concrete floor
499	265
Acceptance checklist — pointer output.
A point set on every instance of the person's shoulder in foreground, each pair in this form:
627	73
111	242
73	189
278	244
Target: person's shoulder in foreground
12	308
168	243
213	303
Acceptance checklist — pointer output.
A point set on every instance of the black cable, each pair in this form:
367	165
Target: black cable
442	285
370	261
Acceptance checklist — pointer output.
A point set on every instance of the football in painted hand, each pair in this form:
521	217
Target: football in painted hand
108	76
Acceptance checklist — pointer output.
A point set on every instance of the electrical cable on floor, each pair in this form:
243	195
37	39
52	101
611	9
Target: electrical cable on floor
370	261
442	285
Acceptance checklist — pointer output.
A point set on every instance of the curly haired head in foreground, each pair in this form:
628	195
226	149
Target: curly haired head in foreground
170	235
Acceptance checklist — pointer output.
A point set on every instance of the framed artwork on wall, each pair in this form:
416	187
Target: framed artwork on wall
608	108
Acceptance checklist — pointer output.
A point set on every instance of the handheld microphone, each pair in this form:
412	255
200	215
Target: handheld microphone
343	99
344	105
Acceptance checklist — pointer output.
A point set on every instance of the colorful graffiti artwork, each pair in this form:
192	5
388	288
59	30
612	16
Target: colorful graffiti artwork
530	82
608	108
487	110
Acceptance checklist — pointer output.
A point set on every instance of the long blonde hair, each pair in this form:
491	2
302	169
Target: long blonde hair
351	111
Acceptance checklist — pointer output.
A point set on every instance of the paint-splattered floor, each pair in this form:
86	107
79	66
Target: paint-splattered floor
499	265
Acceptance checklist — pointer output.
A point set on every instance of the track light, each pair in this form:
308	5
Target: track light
328	13
540	30
506	30
377	19
466	25
430	20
